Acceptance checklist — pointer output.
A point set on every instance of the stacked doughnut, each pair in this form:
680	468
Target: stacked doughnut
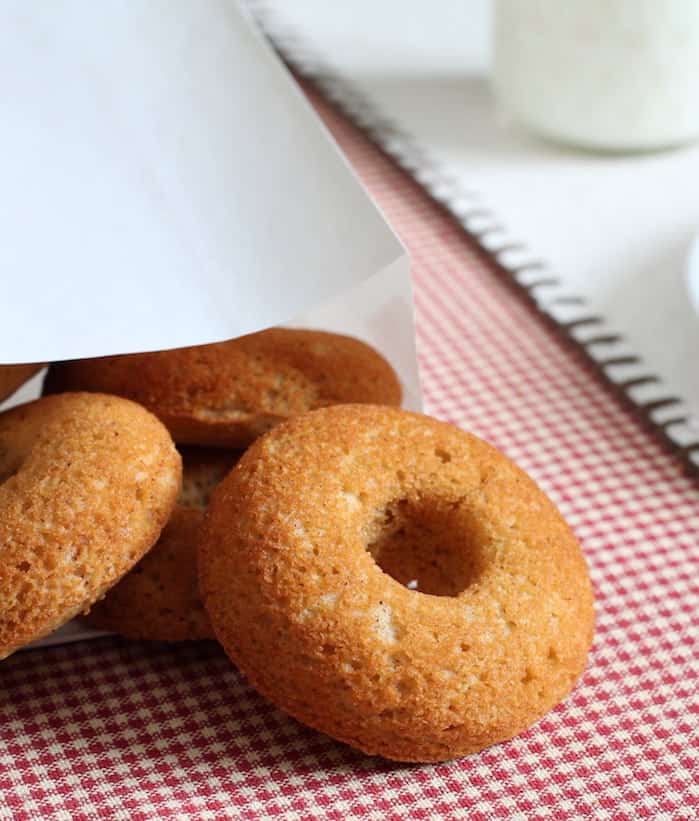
382	576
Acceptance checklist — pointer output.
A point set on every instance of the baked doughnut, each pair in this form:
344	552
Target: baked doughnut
87	484
229	393
159	599
313	543
14	376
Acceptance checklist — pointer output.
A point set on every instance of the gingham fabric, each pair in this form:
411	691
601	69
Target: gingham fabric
121	730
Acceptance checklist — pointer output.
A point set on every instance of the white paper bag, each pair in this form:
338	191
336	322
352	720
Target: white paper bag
165	183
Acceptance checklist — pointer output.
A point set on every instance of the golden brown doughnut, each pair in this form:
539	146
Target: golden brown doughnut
290	569
229	393
14	376
87	484
159	599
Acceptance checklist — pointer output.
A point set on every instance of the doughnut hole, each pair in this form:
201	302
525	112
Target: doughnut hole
429	545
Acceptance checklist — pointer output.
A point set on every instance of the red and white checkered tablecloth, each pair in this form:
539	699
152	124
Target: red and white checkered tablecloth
123	730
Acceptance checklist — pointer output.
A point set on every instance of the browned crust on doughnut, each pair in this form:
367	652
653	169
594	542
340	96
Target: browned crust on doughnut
229	393
302	608
159	599
13	377
87	484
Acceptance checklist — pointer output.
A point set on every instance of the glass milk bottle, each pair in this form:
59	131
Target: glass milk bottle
616	75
